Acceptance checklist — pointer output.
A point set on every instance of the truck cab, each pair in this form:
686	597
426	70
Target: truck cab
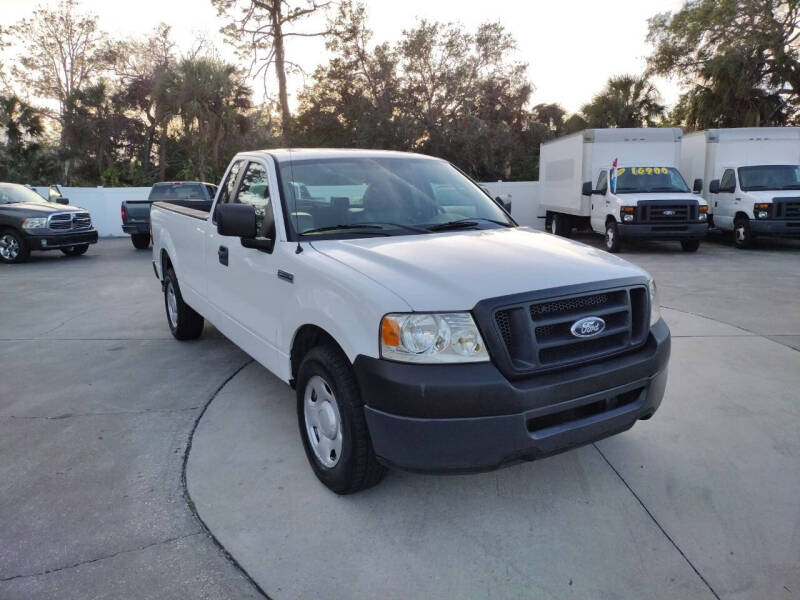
622	183
753	177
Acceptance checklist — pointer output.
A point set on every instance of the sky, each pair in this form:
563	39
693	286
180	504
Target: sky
572	47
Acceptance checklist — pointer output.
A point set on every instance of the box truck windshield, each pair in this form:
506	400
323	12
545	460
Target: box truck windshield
643	180
769	177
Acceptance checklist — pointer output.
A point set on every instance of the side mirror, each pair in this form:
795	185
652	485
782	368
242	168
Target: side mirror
62	200
713	187
239	220
586	190
697	188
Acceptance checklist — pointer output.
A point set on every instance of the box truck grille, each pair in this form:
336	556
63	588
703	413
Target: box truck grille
538	335
787	208
657	211
70	221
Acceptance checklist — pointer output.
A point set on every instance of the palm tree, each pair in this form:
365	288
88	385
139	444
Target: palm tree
626	101
18	120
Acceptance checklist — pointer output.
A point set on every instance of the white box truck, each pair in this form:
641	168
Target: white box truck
648	198
750	177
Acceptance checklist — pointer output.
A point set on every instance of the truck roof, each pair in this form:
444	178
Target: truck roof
286	154
749	133
624	134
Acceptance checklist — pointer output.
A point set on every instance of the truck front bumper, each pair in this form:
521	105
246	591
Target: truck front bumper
136	228
774	227
469	417
663	231
51	241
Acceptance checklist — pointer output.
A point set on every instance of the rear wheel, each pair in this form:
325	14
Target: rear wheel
75	250
742	236
559	225
611	239
184	322
141	241
13	248
333	428
690	245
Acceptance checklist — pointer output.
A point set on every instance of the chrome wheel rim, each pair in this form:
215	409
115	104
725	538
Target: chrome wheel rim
553	227
323	421
9	247
740	233
609	237
172	305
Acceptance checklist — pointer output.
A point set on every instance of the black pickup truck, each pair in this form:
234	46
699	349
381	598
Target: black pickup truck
28	222
136	213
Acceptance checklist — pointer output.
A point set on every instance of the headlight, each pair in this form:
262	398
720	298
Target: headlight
432	338
655	311
35	223
702	216
627	218
761	210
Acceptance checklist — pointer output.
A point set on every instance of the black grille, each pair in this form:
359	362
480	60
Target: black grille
81	221
668	211
61	222
538	335
787	209
70	221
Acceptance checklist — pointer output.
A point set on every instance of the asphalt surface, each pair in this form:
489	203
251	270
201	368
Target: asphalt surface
97	401
97	404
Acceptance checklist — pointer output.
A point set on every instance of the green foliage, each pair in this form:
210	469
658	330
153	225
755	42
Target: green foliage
737	59
626	101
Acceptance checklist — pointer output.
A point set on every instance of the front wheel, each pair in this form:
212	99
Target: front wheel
75	250
184	322
141	241
742	236
690	245
611	239
333	428
13	248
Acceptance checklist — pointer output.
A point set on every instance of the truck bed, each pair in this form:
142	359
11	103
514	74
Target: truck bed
197	209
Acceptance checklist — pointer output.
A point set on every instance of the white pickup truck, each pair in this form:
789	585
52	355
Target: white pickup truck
420	327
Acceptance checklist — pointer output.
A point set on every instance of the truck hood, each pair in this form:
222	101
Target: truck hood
43	209
632	199
455	270
770	195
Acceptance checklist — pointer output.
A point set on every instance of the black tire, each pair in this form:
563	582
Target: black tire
75	250
559	225
189	323
742	236
356	467
141	241
13	248
611	240
690	245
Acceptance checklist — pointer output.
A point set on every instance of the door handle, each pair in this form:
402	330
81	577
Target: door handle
222	254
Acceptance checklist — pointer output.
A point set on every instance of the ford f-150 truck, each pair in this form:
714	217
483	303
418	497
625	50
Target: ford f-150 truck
420	327
136	213
29	222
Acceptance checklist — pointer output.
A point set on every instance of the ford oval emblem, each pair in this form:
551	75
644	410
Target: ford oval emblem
588	327
669	213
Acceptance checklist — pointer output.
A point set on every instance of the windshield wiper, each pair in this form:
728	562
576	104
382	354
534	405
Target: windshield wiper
376	229
464	223
791	186
667	188
397	225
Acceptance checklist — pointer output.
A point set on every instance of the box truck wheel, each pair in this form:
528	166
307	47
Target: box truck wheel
559	225
612	240
690	245
742	237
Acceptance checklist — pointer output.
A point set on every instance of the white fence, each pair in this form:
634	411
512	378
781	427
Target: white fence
104	203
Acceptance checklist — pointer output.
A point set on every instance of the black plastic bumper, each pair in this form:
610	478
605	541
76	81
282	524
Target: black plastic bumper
470	417
136	228
777	228
663	231
62	240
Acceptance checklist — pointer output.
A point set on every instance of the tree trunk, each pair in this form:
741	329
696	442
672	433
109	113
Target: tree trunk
280	71
162	153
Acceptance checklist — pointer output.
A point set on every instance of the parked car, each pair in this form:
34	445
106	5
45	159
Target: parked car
29	222
420	327
645	197
753	179
136	213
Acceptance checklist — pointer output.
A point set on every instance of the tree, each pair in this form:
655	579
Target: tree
19	120
61	54
260	28
626	101
739	59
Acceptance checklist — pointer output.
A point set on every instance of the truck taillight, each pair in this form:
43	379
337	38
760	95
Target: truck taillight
123	213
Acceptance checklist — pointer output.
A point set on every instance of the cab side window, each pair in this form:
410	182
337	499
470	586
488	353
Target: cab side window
229	185
254	190
728	182
602	182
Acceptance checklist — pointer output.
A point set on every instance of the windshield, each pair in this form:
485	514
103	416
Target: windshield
633	180
359	197
15	194
770	177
